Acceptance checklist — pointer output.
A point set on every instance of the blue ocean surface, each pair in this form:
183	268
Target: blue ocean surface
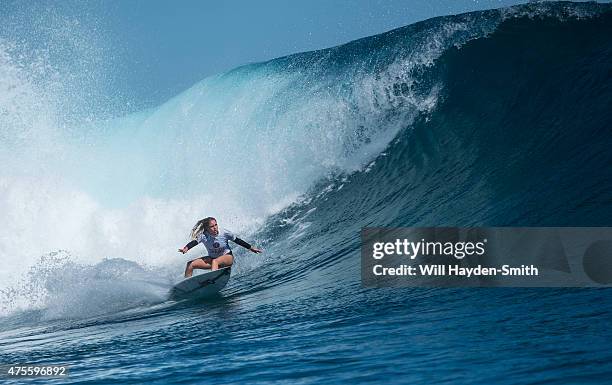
492	118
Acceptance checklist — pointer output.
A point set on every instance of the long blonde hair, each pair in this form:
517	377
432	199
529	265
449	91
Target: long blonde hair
200	227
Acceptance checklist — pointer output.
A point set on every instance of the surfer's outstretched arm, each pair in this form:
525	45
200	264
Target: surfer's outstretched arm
246	245
188	246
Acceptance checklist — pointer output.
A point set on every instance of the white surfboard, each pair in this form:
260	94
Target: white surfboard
201	285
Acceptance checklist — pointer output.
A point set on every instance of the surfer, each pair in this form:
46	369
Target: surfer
207	231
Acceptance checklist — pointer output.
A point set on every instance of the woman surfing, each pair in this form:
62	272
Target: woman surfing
220	255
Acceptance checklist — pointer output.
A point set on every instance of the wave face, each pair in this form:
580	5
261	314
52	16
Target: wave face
519	136
496	118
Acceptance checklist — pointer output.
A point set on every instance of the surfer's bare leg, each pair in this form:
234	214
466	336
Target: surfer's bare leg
196	264
222	261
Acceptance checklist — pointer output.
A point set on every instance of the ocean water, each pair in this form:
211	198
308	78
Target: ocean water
492	118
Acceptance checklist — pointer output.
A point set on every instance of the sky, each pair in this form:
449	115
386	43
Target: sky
159	48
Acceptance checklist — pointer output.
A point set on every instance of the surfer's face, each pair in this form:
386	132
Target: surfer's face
213	228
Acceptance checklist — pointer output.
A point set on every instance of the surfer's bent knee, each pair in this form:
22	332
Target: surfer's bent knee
224	260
